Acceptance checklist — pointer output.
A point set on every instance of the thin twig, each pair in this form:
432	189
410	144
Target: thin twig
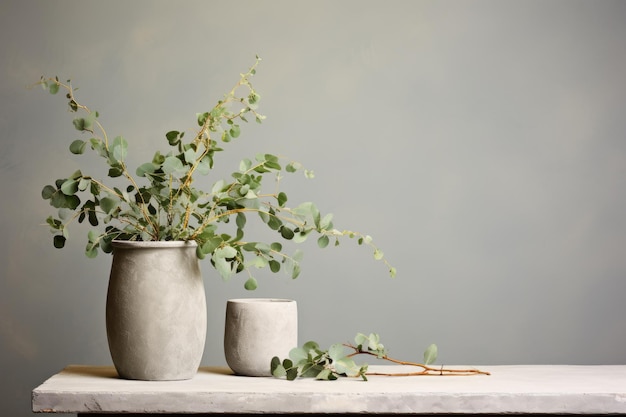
426	370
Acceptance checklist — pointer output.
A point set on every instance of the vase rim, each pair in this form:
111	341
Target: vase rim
153	244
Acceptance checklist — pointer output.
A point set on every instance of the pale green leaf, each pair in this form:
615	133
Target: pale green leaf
251	284
279	371
190	156
204	166
327	222
258	262
245	165
108	204
298	355
147	168
336	351
223	267
69	187
83	184
172	165
226	252
347	366
218	187
430	355
120	149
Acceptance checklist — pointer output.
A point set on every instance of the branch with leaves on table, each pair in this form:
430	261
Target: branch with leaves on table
309	361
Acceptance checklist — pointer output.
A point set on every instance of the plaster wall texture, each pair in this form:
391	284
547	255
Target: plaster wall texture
480	143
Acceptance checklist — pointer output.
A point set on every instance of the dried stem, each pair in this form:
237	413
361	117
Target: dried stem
426	370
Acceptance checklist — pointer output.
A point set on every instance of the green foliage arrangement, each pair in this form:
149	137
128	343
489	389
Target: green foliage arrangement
165	204
309	361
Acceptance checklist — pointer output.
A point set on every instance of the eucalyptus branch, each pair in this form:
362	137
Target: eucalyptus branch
309	361
426	370
84	125
53	85
161	203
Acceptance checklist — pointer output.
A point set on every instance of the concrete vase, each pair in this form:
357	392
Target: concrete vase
256	330
156	310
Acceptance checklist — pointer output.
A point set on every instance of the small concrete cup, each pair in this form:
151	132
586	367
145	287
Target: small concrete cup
256	330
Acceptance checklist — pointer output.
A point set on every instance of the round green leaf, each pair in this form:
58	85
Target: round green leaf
235	131
147	168
286	233
173	137
108	204
323	241
47	192
282	199
274	266
58	241
91	251
78	146
251	284
53	88
172	164
69	187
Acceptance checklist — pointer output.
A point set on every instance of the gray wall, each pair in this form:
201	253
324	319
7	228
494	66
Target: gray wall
481	143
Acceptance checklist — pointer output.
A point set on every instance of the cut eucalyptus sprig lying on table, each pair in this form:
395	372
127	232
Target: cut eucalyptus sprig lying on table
160	200
309	361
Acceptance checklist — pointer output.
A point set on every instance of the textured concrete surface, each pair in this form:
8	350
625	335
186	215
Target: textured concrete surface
509	389
156	314
256	330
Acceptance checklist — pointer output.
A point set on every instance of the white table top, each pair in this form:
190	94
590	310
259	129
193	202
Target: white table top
509	389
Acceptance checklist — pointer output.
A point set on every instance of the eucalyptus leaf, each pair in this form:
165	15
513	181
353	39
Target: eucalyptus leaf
146	168
59	241
108	204
245	165
235	131
292	374
323	241
190	156
347	366
69	187
173	137
78	146
430	354
286	233
223	267
251	284
47	192
218	187
274	265
282	199
93	236
204	166
172	165
91	251
83	184
298	355
276	368
53	88
240	220
120	149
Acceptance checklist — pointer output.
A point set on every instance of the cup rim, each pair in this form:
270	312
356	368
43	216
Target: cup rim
259	300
